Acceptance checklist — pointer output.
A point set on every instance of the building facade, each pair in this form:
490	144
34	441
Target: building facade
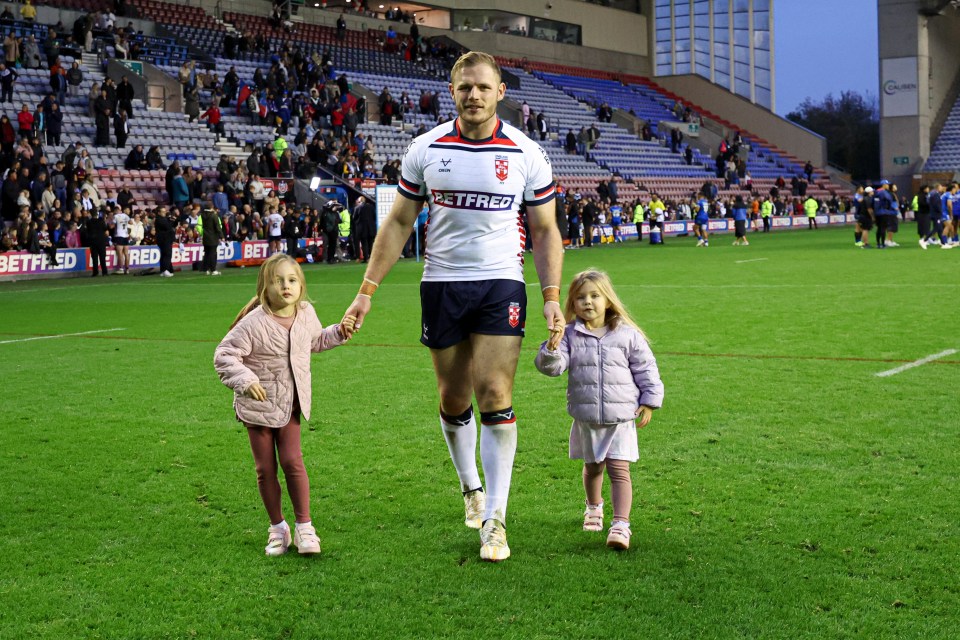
729	42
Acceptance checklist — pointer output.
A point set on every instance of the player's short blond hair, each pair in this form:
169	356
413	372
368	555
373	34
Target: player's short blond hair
472	59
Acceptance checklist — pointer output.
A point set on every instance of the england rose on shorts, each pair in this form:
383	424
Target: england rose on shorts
474	189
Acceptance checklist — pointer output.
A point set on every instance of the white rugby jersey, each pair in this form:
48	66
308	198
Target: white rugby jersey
474	189
274	224
122	224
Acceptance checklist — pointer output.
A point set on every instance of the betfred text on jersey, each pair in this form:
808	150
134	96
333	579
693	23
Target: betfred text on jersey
473	200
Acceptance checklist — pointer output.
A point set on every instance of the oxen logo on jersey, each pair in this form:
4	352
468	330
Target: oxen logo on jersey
513	314
501	166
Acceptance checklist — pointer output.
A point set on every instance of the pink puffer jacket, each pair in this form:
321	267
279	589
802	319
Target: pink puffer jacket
258	349
610	376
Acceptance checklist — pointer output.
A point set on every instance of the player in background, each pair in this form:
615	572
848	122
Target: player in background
121	240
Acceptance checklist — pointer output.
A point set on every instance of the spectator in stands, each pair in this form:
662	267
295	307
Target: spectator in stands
125	96
191	103
92	98
31	53
136	230
6	18
603	192
58	80
180	192
25	120
121	128
136	159
257	192
11	49
101	108
51	47
154	159
280	145
125	198
676	137
214	120
8	77
187	75
219	199
341	26
231	83
531	124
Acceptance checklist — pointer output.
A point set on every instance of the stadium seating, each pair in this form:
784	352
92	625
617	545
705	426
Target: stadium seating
945	155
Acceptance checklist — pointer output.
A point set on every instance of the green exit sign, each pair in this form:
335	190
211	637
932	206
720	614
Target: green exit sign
901	160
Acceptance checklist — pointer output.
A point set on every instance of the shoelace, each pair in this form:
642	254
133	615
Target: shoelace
494	536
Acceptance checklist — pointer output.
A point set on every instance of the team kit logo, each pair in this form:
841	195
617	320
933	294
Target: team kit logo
513	314
501	165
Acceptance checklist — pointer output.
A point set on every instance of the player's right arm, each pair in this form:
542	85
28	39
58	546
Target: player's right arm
391	237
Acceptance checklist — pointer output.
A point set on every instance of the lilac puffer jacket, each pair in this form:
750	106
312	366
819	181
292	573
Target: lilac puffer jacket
610	376
258	349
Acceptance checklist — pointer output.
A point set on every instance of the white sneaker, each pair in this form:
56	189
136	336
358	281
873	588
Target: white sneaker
593	517
891	243
166	274
923	244
493	541
306	540
946	245
215	273
699	243
278	540
619	536
746	242
474	504
208	273
934	241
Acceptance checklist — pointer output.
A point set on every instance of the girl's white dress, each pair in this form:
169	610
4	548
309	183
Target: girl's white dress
597	442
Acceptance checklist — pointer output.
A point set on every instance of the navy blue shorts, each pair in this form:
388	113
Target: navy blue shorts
451	311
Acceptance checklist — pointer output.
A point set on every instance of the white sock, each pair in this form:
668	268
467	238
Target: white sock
460	432
308	523
498	445
281	525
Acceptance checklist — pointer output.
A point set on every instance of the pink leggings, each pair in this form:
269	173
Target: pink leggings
621	487
267	445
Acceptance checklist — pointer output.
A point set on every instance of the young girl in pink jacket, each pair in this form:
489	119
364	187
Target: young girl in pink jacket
265	359
613	386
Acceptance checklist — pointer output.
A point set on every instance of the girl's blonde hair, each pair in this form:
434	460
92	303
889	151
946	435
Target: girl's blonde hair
268	271
616	311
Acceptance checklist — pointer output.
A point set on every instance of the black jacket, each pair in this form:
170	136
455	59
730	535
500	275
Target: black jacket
165	230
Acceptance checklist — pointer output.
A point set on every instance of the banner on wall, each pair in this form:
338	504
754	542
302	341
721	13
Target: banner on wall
899	87
77	261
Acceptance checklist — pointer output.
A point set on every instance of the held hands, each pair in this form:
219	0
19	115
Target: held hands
348	326
256	392
555	323
643	415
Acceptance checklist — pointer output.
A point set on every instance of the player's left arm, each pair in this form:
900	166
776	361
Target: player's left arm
548	260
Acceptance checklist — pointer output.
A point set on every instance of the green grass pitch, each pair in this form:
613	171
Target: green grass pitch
784	490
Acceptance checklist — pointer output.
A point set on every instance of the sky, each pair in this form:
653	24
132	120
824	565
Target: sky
822	47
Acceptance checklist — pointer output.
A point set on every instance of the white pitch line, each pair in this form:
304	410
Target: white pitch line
61	335
917	363
753	260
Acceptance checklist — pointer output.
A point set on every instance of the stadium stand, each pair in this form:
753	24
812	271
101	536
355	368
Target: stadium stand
253	46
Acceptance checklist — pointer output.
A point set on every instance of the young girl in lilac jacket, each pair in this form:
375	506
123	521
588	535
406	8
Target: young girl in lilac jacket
265	359
613	386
